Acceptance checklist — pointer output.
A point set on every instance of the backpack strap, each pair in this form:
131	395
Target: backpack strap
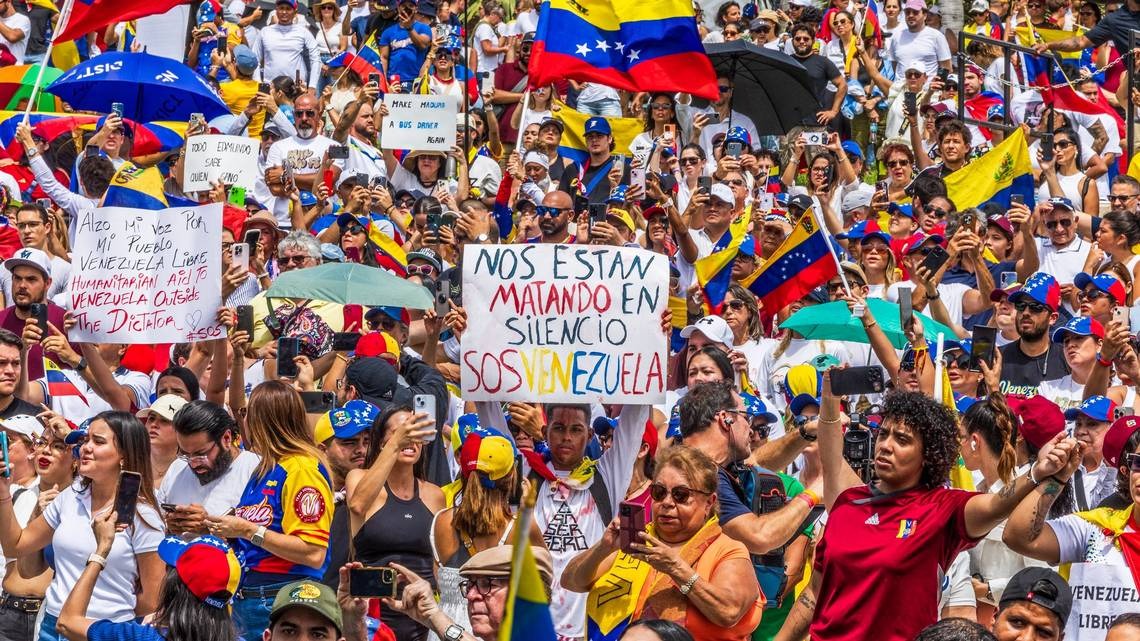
602	498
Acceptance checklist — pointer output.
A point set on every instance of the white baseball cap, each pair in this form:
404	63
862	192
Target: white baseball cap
722	192
30	257
23	424
165	406
537	158
714	328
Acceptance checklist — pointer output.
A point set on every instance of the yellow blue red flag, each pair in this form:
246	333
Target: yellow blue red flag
800	264
995	176
636	45
573	144
137	188
527	613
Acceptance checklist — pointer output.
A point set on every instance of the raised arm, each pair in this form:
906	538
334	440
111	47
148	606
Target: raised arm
837	474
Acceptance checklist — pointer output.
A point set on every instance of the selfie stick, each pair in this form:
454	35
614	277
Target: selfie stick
938	368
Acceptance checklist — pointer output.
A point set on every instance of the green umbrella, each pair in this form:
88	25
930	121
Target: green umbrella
350	283
833	321
16	85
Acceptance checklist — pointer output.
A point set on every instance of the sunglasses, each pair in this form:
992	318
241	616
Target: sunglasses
1063	222
1115	198
1033	308
762	431
681	494
1132	460
354	229
305	112
661	106
292	260
724	88
386	324
732	33
961	361
931	210
735	304
1092	294
1063	144
405	202
892	164
546	210
421	270
734	182
762	29
690	161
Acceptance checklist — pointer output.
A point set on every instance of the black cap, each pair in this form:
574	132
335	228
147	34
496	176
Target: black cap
801	201
376	381
1025	586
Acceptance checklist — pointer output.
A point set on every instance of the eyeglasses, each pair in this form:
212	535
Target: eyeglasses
735	304
681	494
405	202
731	33
1132	460
892	164
54	444
1063	222
724	88
690	160
801	39
734	182
1033	308
546	210
661	106
301	113
293	260
1117	198
820	170
202	458
484	585
421	270
385	323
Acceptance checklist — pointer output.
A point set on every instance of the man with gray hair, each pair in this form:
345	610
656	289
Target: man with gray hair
297	250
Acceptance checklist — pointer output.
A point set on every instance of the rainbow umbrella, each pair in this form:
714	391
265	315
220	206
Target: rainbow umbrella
46	125
16	84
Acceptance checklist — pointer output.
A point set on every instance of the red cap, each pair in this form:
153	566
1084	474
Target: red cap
1040	418
1117	436
650	438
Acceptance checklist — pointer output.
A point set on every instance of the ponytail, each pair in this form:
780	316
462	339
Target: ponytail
994	422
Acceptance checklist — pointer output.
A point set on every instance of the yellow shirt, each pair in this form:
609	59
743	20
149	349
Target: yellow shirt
237	94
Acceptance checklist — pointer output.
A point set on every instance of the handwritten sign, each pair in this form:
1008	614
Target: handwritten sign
422	123
1100	593
147	276
230	159
564	323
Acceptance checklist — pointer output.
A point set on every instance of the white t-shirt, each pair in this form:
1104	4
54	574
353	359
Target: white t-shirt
180	486
304	155
927	46
363	158
486	63
21	22
1063	391
114	595
76	411
405	180
1063	263
770	379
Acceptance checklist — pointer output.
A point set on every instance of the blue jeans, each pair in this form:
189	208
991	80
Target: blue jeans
604	107
251	609
47	628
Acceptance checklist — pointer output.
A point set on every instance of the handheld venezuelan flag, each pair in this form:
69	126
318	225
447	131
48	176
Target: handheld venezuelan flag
1067	99
573	143
714	274
1037	67
91	15
527	612
502	213
649	45
800	264
58	384
979	107
365	61
995	176
389	254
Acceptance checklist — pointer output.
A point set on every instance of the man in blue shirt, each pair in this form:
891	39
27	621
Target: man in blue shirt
404	46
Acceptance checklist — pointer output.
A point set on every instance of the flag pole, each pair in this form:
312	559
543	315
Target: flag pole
64	18
522	120
831	251
520	542
938	368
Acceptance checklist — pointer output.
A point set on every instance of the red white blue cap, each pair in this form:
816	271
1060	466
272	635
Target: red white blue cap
1105	282
866	230
206	565
1097	407
1040	288
1081	326
918	239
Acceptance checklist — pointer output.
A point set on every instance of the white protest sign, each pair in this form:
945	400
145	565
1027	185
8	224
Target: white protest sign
230	159
1100	592
143	276
564	323
422	123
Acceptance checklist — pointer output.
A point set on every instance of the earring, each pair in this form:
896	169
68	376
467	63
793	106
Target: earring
973	446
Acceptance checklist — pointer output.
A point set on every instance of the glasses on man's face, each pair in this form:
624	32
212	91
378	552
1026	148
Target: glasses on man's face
762	29
303	113
1119	198
681	494
292	260
724	88
761	430
801	39
1063	222
203	457
546	210
385	323
1032	308
484	585
733	182
732	33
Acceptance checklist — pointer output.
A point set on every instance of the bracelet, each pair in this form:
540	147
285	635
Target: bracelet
1102	361
1032	480
809	496
871	324
823	422
937	294
341	357
263	275
688	586
95	558
810	438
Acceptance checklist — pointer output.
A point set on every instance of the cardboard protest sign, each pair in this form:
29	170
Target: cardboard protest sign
230	159
143	276
422	123
564	323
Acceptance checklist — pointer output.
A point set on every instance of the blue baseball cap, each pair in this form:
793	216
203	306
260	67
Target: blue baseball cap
739	134
995	111
398	314
354	417
244	57
1097	407
757	408
1040	288
1080	326
598	125
747	246
617	195
904	210
1061	201
604	425
853	148
964	403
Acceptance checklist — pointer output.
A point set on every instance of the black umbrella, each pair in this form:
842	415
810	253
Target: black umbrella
770	87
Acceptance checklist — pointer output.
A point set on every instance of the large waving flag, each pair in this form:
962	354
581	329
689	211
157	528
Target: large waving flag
636	45
1067	99
573	145
365	61
995	176
92	15
58	384
1036	67
800	264
527	613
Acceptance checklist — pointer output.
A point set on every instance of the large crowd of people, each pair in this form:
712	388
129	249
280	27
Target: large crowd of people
985	490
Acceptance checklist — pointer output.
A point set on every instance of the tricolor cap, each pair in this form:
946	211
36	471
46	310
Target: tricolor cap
1105	282
345	422
739	134
398	314
487	451
206	565
802	385
617	195
1117	437
1040	288
1040	418
1079	326
902	210
757	408
917	240
1097	407
998	293
598	125
377	344
865	230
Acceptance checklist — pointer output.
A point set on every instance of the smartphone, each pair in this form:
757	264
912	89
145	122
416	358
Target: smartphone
906	306
857	380
287	350
117	109
425	404
338	152
442	297
713	118
765	201
671	132
943	74
379	181
374	79
373	583
935	259
45	203
637	177
197	120
434	218
252	237
970	221
345	341
236	197
245	319
318	402
704	184
1047	147
39	311
619	164
1018	199
816	138
353	317
910	102
168	507
263	87
127	496
1120	315
733	149
241	255
982	349
597	214
1008	279
632	517
4	450
92	151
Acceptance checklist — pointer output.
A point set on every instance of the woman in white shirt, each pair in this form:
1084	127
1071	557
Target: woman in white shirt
1064	177
115	442
660	113
330	37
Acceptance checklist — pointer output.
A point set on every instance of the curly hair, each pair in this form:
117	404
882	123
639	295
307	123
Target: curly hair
935	425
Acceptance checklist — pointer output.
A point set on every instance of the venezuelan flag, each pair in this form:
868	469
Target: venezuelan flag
573	145
365	61
502	213
1067	99
527	612
998	174
1037	67
680	320
389	254
714	274
58	384
647	45
978	108
92	15
800	264
137	188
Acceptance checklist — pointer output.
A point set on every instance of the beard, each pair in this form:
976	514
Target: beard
221	466
306	133
551	226
1032	334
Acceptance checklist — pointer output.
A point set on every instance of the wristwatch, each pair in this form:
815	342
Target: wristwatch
482	239
258	537
453	632
81	365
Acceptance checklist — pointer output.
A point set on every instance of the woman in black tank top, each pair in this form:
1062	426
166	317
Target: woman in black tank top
391	508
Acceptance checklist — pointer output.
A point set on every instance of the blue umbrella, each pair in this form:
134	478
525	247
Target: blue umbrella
150	87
